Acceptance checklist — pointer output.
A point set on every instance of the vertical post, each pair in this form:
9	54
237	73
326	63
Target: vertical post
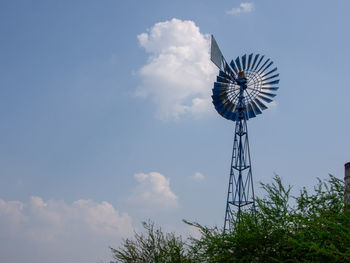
347	185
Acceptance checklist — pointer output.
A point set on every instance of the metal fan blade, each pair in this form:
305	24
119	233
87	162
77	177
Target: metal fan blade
233	116
229	71
215	53
268	73
257	65
221	79
228	106
219	91
238	63
255	59
263	65
220	109
271	82
219	97
218	85
251	113
219	106
272	77
223	98
244	58
261	105
266	67
232	64
224	75
271	95
255	108
265	99
228	115
230	111
270	88
249	61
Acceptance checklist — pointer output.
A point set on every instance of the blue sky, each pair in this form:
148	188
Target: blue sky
105	120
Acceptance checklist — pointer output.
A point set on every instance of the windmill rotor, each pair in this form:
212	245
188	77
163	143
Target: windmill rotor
259	88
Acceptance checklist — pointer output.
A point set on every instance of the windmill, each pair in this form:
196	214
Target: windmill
242	91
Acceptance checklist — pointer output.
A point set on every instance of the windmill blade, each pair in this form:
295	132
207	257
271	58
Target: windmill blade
220	108
221	79
230	108
271	82
265	99
261	105
268	73
257	65
220	85
249	60
244	58
238	63
215	53
266	67
219	105
224	75
219	89
224	109
229	70
272	77
271	95
233	66
259	70
255	108
255	59
233	116
220	97
250	111
270	88
225	114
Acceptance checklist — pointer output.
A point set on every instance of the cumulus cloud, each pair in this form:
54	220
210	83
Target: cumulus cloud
54	231
179	75
244	7
153	191
47	221
198	176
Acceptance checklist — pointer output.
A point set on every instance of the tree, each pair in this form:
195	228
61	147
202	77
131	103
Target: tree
307	228
152	247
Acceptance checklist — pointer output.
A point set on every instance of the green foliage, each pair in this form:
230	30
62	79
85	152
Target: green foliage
152	247
307	228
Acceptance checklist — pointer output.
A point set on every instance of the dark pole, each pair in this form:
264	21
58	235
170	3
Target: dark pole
347	185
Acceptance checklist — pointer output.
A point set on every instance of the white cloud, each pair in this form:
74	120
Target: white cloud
243	8
198	176
54	231
49	220
153	191
179	74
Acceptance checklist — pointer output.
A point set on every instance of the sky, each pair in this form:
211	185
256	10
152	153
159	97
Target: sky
106	117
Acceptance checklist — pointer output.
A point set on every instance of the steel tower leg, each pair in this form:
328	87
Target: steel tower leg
240	189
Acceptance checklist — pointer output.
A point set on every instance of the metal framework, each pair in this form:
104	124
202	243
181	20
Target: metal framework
241	92
240	188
